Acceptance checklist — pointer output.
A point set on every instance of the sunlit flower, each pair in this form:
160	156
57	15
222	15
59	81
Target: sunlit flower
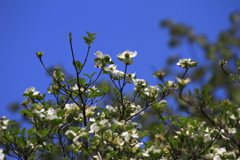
186	63
101	59
40	112
137	109
94	128
4	122
152	91
120	74
207	137
170	84
71	107
232	130
183	81
130	133
75	88
2	155
118	141
32	90
130	77
139	84
111	68
110	108
127	56
70	132
51	114
89	110
145	154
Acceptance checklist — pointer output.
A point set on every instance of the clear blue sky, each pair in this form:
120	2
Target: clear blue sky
29	26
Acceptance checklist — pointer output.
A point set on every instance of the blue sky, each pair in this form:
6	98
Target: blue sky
30	26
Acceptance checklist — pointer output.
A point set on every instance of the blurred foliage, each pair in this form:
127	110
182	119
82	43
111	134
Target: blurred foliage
208	76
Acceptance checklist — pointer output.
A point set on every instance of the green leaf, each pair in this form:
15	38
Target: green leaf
90	38
31	131
238	65
116	91
78	64
27	113
104	89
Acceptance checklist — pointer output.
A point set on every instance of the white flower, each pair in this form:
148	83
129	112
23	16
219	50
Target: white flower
232	130
131	133
127	56
220	151
101	59
4	122
94	128
75	88
104	122
185	63
217	157
2	155
145	154
152	91
232	116
117	122
230	154
51	114
89	110
183	81
130	77
137	109
32	89
40	113
170	84
140	82
111	68
70	131
92	119
110	108
207	137
71	107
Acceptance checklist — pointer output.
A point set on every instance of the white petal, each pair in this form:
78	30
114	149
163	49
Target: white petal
99	54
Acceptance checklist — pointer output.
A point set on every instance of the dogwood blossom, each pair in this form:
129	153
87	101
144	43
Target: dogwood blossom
183	81
110	108
186	63
127	56
101	59
136	109
75	88
39	112
2	155
152	91
111	68
90	110
51	114
130	77
71	107
4	122
130	133
32	90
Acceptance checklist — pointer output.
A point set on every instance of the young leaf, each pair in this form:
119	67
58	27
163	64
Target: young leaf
89	39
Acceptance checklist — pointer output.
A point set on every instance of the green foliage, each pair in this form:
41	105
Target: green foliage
90	38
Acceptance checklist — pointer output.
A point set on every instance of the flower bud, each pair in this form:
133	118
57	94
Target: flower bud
39	54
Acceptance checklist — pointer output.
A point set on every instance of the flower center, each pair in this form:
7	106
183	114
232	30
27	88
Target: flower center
127	55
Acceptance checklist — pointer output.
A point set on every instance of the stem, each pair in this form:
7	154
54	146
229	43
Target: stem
230	76
83	106
184	73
